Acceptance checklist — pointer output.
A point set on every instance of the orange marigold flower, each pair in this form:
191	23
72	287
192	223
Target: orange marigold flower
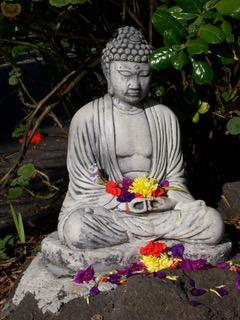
176	263
113	188
139	195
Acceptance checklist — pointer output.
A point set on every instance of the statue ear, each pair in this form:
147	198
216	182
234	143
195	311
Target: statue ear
110	88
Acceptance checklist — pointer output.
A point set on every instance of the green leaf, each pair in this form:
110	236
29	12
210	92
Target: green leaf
162	21
16	50
195	118
179	60
225	60
159	91
21	232
193	27
226	97
20	182
190	5
233	126
196	46
15	72
62	3
225	54
161	58
19	131
171	37
203	107
13	80
227	29
5	26
14	192
27	170
202	72
211	34
229	8
7	240
181	16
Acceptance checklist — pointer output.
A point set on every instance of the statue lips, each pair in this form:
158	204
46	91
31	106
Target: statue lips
133	92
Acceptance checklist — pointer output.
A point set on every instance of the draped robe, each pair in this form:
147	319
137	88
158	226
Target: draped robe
92	141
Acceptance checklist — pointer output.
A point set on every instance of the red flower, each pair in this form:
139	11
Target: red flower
113	188
153	248
159	192
36	139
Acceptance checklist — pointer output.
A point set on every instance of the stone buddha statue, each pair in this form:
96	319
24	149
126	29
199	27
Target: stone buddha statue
126	134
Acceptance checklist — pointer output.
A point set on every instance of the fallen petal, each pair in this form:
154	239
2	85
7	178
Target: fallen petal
237	282
197	292
194	303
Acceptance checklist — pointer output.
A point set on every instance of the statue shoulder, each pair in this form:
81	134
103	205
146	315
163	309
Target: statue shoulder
163	110
85	113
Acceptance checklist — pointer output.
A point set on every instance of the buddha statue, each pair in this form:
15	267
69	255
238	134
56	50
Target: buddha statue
127	134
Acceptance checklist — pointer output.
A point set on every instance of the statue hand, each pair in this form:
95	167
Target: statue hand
137	205
160	204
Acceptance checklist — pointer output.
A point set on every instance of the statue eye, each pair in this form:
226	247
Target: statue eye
125	73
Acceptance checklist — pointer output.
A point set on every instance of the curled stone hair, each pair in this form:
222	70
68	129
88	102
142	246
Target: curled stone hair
128	45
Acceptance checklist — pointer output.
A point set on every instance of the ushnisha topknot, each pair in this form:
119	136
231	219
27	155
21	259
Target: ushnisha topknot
128	45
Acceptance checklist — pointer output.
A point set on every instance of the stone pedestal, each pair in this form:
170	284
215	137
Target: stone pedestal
49	277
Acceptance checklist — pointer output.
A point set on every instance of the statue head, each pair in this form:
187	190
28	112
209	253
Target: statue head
125	65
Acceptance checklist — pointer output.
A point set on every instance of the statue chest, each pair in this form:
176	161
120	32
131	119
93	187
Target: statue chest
132	136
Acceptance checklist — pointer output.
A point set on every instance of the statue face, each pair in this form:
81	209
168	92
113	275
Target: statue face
129	81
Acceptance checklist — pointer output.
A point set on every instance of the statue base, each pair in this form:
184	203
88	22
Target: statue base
49	277
63	261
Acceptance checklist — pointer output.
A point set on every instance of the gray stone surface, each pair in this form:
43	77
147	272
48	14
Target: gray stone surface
51	284
110	258
49	291
147	299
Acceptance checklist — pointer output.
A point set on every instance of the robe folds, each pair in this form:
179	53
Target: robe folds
92	141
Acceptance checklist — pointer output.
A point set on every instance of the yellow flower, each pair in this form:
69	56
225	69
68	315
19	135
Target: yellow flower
145	186
154	264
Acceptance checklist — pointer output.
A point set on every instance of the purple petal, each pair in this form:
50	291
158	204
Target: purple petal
194	265
191	282
222	265
94	291
197	292
164	183
136	266
126	182
177	250
237	282
194	303
160	275
222	291
236	257
84	275
126	197
114	278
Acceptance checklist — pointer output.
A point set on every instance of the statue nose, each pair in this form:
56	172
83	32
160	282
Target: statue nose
134	83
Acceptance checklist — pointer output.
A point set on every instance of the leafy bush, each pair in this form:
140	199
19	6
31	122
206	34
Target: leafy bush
200	39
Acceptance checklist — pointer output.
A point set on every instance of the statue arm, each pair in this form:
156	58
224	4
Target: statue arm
175	166
83	191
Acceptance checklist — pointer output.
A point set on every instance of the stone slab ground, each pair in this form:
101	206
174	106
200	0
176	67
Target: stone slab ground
148	298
